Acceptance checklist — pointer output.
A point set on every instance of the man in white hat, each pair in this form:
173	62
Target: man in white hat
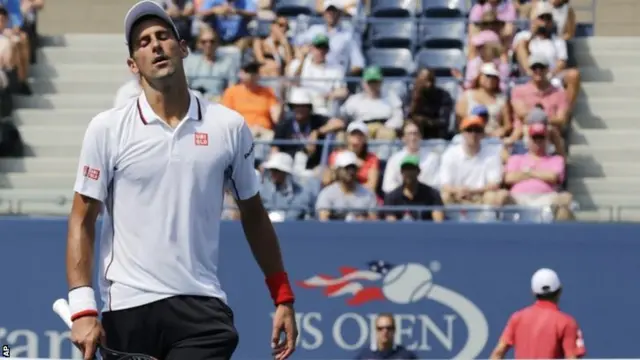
346	198
280	193
158	166
542	331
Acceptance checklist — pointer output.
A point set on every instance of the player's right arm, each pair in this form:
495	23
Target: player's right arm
92	179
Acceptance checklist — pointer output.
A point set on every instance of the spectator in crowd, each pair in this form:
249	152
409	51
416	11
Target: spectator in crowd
470	172
30	9
257	104
127	92
485	90
345	51
346	198
540	91
368	163
564	16
349	7
386	347
324	82
274	52
489	50
413	193
429	160
488	22
555	143
382	113
541	41
301	123
505	13
206	70
230	19
429	106
535	178
11	22
181	12
280	193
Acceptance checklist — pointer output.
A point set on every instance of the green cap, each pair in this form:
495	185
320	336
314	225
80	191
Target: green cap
372	73
412	160
320	40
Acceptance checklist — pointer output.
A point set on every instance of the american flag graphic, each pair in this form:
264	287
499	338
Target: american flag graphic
361	285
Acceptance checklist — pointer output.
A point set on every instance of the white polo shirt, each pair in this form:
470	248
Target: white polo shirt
162	190
474	172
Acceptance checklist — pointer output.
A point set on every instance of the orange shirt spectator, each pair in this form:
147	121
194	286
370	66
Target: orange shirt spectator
542	331
253	104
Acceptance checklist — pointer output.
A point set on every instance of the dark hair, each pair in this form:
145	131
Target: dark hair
552	296
144	18
3	12
251	67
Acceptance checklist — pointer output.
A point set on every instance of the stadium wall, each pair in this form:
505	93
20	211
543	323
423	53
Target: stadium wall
451	286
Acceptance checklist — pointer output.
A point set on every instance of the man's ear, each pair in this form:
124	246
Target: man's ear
184	48
133	67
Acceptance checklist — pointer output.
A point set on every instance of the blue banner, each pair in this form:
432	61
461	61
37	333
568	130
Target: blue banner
451	287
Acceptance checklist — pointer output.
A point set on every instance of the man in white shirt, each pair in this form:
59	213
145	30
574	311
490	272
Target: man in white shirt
470	173
323	82
158	167
429	160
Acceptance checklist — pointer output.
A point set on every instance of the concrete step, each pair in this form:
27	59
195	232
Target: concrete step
587	168
57	117
95	72
620	75
52	135
604	106
37	181
599	137
609	59
598	215
589	201
41	86
36	201
607	90
609	185
80	55
36	165
606	154
53	150
64	101
615	122
600	44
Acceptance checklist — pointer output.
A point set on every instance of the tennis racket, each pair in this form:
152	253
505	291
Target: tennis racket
61	307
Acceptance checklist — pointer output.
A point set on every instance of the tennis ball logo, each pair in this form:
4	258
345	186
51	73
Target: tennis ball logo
407	283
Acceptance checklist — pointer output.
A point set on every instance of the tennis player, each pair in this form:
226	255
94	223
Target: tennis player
157	167
542	331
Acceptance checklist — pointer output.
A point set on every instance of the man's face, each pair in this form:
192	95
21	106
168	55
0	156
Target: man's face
539	72
208	43
410	174
278	177
411	136
156	53
545	21
374	86
538	143
248	78
301	112
331	16
356	141
4	21
473	135
319	53
385	330
348	173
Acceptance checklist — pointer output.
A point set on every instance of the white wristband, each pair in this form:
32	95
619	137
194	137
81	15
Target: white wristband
82	299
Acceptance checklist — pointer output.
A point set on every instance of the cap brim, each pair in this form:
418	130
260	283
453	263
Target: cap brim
142	9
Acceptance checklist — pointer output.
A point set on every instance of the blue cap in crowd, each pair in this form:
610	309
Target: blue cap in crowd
480	110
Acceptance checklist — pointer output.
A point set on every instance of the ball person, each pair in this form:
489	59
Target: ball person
156	167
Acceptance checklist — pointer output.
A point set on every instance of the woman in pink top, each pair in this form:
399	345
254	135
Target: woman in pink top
489	50
505	12
535	177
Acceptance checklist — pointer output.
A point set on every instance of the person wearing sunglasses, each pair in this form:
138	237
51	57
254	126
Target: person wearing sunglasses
470	172
386	348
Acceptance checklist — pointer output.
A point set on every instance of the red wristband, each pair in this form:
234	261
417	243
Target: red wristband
84	313
280	288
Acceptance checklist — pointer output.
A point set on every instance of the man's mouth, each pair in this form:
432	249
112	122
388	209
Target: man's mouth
159	59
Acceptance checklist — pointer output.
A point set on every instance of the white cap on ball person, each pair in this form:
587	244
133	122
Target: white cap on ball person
143	9
346	158
545	281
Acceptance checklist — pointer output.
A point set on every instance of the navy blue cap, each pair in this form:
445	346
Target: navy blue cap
480	110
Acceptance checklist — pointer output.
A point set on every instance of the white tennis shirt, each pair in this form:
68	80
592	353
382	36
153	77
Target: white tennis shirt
162	190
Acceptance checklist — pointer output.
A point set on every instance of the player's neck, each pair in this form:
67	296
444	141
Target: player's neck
170	103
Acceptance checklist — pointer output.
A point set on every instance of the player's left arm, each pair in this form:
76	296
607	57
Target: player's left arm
572	341
263	241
